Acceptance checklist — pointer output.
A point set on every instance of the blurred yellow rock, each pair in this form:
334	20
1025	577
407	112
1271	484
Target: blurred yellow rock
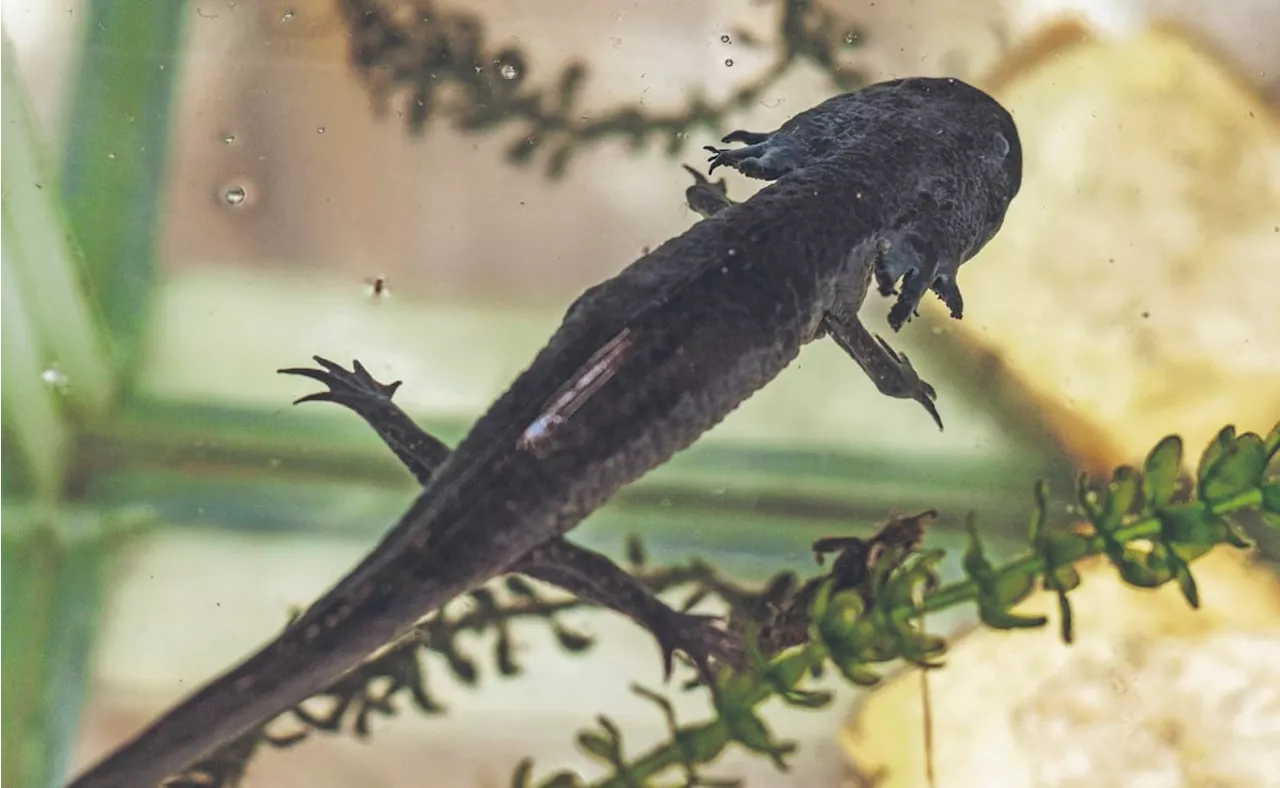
1150	693
1134	291
1135	286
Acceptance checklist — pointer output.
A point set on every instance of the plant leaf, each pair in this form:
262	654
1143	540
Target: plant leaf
1237	469
1161	470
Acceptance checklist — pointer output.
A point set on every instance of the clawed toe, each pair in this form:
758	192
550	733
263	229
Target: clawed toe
928	395
911	385
945	288
720	157
701	640
343	385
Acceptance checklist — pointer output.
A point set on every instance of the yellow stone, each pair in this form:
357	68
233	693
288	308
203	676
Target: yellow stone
1135	286
1133	292
1149	689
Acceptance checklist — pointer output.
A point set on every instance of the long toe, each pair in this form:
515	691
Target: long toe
701	640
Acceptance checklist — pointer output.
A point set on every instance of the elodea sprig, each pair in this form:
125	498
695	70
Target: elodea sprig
397	676
868	610
445	61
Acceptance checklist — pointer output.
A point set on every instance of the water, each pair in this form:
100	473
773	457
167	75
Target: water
243	188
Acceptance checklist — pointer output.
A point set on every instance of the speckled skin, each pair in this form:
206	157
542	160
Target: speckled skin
582	572
901	179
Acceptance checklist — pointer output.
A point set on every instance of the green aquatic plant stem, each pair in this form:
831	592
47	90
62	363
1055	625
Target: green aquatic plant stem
1136	524
42	270
115	160
36	461
867	610
961	591
78	274
52	598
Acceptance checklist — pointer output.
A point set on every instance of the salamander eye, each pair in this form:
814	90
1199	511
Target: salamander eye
1002	145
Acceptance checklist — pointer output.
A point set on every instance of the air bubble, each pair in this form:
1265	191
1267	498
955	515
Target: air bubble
729	62
54	377
508	71
725	39
235	195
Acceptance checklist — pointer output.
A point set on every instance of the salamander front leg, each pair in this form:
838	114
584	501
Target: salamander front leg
890	371
766	157
746	137
914	259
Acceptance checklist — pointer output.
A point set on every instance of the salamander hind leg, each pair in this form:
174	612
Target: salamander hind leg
594	577
704	197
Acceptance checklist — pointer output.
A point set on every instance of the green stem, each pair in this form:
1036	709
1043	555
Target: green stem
46	330
114	169
967	590
669	755
692	745
35	464
111	183
52	598
712	737
40	250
